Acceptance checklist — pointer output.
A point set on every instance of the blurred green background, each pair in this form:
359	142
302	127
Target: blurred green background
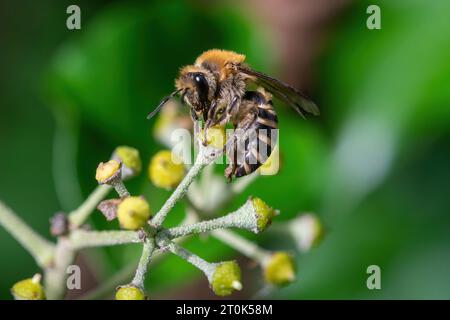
375	166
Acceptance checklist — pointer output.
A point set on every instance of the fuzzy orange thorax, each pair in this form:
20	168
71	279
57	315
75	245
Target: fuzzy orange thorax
222	59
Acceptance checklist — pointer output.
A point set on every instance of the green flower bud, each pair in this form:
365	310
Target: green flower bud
133	213
130	292
29	289
264	214
107	171
279	269
130	159
226	278
164	172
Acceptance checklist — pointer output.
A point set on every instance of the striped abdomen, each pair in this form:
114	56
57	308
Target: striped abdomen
263	133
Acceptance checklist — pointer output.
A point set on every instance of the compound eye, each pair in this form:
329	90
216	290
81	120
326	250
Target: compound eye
202	85
200	79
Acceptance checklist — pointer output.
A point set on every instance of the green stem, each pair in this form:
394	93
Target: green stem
147	251
41	249
83	239
181	190
121	190
207	268
243	218
56	275
243	245
124	275
82	213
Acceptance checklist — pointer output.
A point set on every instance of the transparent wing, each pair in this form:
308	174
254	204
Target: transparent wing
283	91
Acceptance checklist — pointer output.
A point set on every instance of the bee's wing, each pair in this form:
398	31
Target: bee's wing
283	91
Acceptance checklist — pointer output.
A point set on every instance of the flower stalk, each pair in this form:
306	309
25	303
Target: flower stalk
147	251
82	213
41	249
164	243
205	156
80	239
243	218
241	244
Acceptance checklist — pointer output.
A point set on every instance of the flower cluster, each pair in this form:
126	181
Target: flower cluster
133	213
141	225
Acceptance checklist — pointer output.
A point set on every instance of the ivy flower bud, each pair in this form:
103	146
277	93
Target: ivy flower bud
133	213
264	214
255	215
130	292
279	269
107	171
307	231
226	278
272	164
130	159
165	171
215	137
171	118
29	289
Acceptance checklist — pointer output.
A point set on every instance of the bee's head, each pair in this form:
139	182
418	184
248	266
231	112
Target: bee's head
197	86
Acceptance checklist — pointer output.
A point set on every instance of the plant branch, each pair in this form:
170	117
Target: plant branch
243	245
82	213
82	238
56	274
120	188
125	274
147	251
205	156
243	218
207	268
41	249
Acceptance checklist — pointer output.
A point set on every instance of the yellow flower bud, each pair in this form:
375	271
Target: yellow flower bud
264	213
130	292
133	213
215	137
272	164
226	278
107	170
29	289
279	269
129	157
164	172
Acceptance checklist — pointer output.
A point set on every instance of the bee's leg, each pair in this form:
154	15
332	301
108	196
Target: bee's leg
232	106
229	171
231	168
207	122
232	147
196	122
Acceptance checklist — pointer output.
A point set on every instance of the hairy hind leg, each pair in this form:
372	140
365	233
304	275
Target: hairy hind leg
231	168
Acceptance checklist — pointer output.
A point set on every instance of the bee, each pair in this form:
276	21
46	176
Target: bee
215	89
256	122
219	78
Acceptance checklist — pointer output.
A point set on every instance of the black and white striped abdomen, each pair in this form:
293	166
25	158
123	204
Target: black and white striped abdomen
262	136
